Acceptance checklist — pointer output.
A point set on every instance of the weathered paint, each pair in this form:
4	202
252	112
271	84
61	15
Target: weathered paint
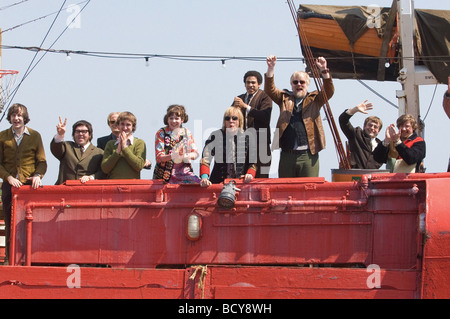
218	282
262	248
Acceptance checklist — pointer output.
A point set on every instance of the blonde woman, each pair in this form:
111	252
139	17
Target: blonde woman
233	151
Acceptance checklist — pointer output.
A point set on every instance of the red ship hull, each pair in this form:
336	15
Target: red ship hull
386	236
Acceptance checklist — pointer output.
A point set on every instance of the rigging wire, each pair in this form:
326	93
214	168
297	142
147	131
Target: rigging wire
31	67
27	72
431	102
39	18
202	58
376	93
343	159
195	58
12	5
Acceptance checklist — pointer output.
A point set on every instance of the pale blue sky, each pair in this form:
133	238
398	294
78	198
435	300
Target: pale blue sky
91	87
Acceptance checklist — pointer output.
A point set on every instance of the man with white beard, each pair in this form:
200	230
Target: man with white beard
300	133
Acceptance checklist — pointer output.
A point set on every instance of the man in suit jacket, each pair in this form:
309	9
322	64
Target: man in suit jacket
79	159
115	131
256	106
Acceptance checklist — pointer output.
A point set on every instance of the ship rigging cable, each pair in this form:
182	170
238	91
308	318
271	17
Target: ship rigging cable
31	66
12	5
200	58
36	19
343	159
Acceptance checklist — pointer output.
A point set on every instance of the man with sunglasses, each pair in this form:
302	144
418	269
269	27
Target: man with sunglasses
256	106
300	133
79	159
115	131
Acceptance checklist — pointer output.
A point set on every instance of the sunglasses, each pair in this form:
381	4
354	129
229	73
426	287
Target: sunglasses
295	82
234	118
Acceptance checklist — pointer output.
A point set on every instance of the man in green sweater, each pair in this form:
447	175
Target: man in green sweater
124	158
22	159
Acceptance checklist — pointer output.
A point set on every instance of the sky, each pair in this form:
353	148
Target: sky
87	87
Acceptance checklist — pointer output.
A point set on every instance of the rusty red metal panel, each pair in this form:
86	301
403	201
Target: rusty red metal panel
291	223
95	283
203	282
300	283
144	225
436	253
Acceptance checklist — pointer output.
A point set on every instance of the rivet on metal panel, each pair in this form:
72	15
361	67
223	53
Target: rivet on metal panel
310	187
265	194
159	196
124	189
62	203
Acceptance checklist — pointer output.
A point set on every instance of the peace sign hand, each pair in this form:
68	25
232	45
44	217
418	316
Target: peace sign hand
61	127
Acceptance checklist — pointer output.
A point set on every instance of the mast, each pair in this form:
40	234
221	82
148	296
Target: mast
410	75
1	80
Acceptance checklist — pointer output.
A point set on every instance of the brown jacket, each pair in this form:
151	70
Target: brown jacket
24	161
446	104
311	112
73	165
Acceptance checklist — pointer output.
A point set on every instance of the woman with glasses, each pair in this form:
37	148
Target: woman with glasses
79	159
233	151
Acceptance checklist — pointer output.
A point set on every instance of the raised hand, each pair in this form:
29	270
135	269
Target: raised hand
238	102
321	63
61	127
271	61
364	107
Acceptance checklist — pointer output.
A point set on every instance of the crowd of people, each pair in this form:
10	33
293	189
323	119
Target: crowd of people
241	148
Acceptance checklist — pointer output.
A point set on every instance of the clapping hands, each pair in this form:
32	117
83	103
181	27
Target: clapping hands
392	135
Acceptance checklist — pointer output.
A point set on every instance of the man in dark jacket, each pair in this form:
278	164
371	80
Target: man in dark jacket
363	141
115	131
256	106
